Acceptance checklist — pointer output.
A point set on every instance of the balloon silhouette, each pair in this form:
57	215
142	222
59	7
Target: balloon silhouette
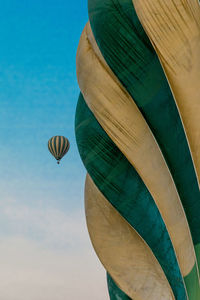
58	146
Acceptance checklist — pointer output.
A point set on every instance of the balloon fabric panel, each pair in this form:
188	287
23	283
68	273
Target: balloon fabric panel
130	56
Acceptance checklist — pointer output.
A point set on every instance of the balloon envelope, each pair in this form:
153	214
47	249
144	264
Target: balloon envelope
58	146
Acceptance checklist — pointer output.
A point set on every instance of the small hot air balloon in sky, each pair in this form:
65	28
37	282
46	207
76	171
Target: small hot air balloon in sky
58	146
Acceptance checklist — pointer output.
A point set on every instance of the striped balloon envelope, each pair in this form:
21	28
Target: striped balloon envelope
138	134
58	146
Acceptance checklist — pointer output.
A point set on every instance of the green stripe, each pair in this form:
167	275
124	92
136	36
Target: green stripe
62	140
192	285
61	150
128	52
121	185
51	146
197	251
59	145
114	291
55	147
65	147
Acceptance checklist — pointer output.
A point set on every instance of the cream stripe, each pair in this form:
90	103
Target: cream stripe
179	52
66	147
57	144
61	146
122	251
54	151
119	116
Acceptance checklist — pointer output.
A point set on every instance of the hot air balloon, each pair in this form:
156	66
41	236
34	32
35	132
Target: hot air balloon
138	138
58	146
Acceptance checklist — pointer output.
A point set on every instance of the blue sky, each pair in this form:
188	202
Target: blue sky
42	203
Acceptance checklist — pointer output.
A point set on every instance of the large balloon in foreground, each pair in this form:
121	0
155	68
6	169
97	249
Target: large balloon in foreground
58	146
138	135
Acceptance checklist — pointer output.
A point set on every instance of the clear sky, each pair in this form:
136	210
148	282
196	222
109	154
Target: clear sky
45	252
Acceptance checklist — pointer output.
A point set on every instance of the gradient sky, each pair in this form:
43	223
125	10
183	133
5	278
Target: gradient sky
45	250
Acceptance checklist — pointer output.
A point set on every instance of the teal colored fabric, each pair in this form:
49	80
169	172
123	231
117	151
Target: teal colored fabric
130	55
192	284
114	291
122	186
128	52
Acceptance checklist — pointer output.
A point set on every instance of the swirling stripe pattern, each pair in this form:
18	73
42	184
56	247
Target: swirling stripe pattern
142	188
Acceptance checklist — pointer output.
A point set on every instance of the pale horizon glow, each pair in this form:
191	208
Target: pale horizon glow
46	254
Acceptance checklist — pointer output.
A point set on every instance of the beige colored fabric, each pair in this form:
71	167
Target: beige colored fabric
119	116
174	29
124	254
